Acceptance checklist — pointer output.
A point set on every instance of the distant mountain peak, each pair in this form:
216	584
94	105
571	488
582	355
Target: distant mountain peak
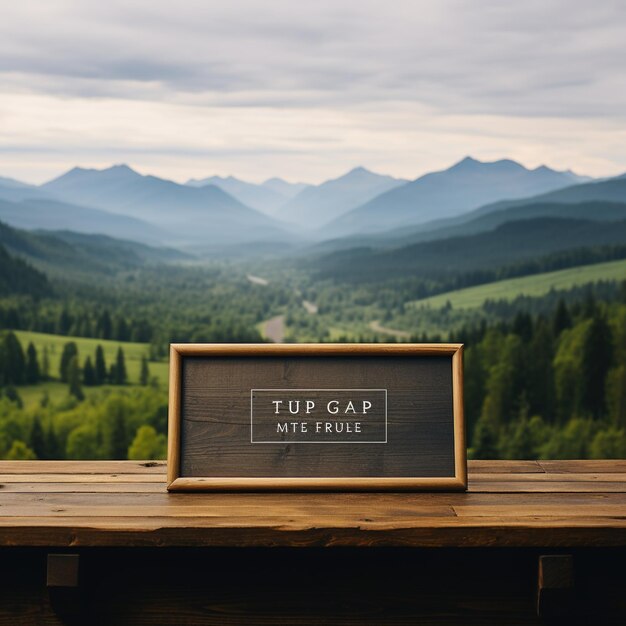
13	183
120	170
468	160
359	170
471	163
120	167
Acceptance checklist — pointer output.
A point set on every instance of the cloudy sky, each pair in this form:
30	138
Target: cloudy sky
306	91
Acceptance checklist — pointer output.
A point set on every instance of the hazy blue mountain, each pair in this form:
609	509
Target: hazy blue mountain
464	186
610	190
48	214
600	201
14	190
12	183
204	215
320	204
78	253
258	197
284	187
508	243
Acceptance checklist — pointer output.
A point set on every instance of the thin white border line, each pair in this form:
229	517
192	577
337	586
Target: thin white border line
311	442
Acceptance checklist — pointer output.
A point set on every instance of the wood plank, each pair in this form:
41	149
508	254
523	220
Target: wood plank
82	487
83	467
334	502
609	466
547	487
450	532
616	477
475	466
251	515
557	509
319	512
119	479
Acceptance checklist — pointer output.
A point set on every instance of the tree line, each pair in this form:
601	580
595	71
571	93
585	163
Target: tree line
24	367
548	387
115	423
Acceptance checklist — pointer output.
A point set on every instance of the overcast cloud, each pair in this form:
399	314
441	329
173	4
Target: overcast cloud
258	88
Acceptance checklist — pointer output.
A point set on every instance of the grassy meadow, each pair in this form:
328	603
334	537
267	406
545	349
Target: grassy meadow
133	353
535	286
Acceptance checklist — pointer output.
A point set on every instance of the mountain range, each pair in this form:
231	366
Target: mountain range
359	208
189	214
466	185
268	197
318	205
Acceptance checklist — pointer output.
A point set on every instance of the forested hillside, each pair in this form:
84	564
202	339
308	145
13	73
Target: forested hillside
549	386
17	277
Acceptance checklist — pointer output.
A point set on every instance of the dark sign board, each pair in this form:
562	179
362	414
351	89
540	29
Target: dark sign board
316	416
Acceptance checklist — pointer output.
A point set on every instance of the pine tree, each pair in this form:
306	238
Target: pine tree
120	368
73	379
37	440
485	440
45	364
118	445
14	358
523	326
596	362
70	351
53	446
121	332
101	367
562	319
104	326
89	373
112	376
144	374
32	367
63	323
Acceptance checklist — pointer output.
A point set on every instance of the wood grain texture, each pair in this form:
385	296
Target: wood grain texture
210	419
508	504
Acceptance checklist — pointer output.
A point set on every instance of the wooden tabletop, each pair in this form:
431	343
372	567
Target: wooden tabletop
125	503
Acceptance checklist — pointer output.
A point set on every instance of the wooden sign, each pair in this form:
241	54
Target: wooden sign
316	417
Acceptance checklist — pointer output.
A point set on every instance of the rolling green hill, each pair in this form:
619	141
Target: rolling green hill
510	243
537	285
133	352
80	253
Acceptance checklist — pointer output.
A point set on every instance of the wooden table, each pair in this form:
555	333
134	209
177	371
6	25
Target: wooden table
145	556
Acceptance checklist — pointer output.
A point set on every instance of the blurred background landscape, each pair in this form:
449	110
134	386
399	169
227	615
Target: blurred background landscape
341	173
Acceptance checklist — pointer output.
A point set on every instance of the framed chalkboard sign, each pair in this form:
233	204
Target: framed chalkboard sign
366	417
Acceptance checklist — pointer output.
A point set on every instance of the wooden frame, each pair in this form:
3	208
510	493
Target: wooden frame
176	482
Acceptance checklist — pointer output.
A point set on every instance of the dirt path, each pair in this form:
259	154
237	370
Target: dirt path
377	328
257	280
274	329
310	307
